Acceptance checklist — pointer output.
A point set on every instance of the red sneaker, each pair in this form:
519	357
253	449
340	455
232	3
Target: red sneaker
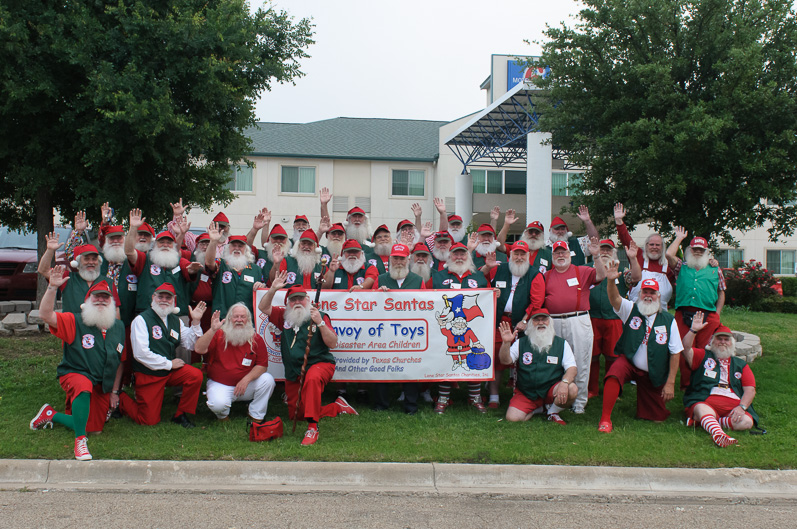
43	419
493	405
554	417
345	407
605	426
477	403
442	404
310	436
82	449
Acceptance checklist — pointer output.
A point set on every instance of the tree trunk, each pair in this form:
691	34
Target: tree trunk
44	225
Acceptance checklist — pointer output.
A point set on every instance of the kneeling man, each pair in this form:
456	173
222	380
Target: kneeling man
546	369
237	363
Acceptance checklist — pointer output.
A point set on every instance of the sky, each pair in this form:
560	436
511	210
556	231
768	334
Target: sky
412	59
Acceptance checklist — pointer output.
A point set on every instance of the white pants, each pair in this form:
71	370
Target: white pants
577	332
220	397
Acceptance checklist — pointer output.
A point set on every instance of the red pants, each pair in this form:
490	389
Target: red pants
315	379
605	335
526	405
702	338
721	405
146	409
498	341
74	384
649	404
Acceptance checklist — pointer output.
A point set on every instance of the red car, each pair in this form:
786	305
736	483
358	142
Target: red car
19	261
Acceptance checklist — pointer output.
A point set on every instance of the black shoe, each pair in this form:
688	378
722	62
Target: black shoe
183	421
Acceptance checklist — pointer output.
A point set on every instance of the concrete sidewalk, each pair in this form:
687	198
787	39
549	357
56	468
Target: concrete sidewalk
529	480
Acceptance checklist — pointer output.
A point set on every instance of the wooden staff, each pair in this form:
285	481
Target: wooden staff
310	332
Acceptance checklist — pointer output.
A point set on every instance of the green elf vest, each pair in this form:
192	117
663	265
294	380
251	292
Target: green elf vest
341	279
293	356
444	279
295	276
537	371
264	262
599	305
700	384
521	299
658	353
697	288
230	287
411	282
577	256
93	355
74	292
376	260
126	289
162	341
543	259
478	260
153	276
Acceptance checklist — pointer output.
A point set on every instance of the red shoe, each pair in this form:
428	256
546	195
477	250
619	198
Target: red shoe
554	417
442	404
345	407
477	403
690	421
310	436
82	449
43	419
605	426
493	405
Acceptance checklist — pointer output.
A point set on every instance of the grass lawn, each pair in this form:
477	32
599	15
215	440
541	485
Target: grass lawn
27	380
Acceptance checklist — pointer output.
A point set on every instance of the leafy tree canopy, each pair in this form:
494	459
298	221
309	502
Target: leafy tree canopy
135	102
685	111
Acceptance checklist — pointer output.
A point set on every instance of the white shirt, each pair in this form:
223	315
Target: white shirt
139	338
508	307
641	356
568	360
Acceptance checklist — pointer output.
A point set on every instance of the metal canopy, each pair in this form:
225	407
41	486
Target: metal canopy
497	133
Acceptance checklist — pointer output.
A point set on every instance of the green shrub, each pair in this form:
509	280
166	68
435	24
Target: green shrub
786	305
748	285
789	285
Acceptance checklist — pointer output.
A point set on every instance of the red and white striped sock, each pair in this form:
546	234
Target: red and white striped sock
712	426
725	423
444	390
474	390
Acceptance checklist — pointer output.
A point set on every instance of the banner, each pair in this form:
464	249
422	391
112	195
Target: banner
401	335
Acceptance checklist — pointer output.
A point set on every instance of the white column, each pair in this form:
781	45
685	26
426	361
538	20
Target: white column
539	165
464	195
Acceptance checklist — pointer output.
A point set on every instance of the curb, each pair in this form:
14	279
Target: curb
445	478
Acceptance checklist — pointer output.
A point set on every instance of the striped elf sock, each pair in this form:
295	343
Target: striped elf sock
712	426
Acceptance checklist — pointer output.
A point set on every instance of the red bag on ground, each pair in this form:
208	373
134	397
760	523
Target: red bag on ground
266	431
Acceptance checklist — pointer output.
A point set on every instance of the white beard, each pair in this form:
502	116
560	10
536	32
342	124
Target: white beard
89	276
236	336
95	316
698	263
723	352
648	308
399	272
114	253
200	257
270	247
459	330
555	238
383	249
456	235
534	244
519	270
307	261
167	258
460	269
334	247
163	312
358	233
441	255
483	248
297	316
238	262
144	246
353	267
422	270
542	340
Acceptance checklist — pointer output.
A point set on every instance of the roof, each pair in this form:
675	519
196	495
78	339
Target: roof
349	138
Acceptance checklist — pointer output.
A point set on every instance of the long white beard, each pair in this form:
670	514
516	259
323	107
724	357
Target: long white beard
721	351
89	275
441	255
297	316
460	269
236	336
555	238
285	248
534	244
114	253
307	262
144	246
422	269
297	234
238	262
167	258
542	340
648	308
163	312
698	263
334	247
456	235
96	316
399	272
358	233
200	256
352	266
382	249
483	248
519	270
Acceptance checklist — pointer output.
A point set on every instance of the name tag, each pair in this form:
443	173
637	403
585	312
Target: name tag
500	284
120	348
544	262
573	281
247	362
249	279
710	374
174	334
204	278
337	280
132	287
553	359
456	286
176	269
572	254
660	329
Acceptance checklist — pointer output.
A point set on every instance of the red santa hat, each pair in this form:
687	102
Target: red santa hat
607	242
164	235
337	227
356	210
519	245
278	231
454	218
295	291
442	235
421	248
221	219
383	227
486	228
309	235
351	244
168	287
650	284
203	237
403	223
539	312
237	238
458	246
97	288
86	249
146	228
722	329
558	221
300	217
107	231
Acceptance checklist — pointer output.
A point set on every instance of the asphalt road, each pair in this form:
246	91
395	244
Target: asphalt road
112	510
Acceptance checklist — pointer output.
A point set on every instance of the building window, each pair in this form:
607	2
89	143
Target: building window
498	182
730	257
408	183
298	179
565	184
781	262
240	178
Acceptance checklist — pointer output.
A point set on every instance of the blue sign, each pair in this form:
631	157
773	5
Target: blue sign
516	72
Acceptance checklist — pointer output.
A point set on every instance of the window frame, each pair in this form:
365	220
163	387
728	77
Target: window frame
234	170
780	261
408	170
298	182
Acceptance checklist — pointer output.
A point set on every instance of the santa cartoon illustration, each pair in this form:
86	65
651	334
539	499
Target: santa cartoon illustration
461	341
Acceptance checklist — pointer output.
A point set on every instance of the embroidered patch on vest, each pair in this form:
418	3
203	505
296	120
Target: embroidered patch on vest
636	322
738	375
291	277
372	261
155	270
360	280
261	263
709	363
132	279
226	277
661	338
527	358
157	332
88	341
472	283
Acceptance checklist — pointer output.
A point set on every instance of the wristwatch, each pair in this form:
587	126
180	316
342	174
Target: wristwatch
742	406
322	324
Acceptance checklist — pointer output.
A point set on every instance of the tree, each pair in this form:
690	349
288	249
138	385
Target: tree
135	102
684	111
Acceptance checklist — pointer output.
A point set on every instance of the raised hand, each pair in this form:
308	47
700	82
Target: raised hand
594	246
258	285
583	213
325	195
182	226
215	321
495	213
106	212
335	264
193	268
197	312
57	277
613	271
680	232
507	334
259	221
177	208
324	225
417	210
631	251
280	280
472	243
407	237
52	241
698	323
619	212
213	232
510	217
315	315
266	214
136	220
490	260
426	230
440	205
80	222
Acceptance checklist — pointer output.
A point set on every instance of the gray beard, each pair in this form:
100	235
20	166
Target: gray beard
167	259
89	276
358	233
460	269
519	270
144	246
382	249
441	255
160	311
534	244
297	316
698	263
353	267
398	272
237	336
456	235
307	262
556	238
486	247
422	269
94	316
200	257
648	309
662	259
724	352
114	253
542	340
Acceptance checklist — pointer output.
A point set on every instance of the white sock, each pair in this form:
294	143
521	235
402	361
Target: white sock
553	408
494	398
